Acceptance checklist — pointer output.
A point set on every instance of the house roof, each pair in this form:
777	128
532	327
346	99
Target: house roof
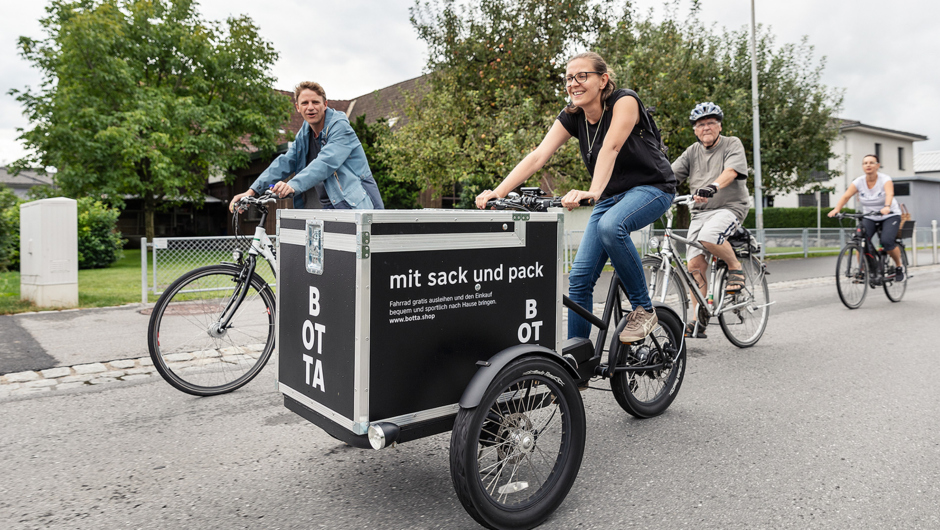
927	162
848	125
26	178
386	103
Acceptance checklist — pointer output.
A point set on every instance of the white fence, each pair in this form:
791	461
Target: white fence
171	257
794	242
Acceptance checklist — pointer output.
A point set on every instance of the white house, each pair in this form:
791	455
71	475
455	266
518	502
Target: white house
895	149
921	193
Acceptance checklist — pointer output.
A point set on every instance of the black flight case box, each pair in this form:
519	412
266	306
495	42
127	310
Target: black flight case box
383	315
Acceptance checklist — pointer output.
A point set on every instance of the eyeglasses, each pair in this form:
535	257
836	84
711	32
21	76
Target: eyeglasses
703	124
580	76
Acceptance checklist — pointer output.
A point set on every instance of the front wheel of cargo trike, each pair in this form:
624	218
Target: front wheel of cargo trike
515	456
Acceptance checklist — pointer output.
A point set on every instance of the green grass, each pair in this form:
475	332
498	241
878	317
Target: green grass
117	285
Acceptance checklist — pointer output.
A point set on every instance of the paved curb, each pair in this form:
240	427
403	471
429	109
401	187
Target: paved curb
65	377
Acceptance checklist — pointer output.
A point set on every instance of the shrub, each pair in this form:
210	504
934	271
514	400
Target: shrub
9	229
99	242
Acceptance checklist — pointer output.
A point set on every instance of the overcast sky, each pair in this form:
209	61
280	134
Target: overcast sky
882	53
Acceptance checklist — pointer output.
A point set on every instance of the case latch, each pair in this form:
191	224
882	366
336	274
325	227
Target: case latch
314	246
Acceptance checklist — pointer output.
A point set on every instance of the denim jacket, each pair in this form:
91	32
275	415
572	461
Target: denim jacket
341	164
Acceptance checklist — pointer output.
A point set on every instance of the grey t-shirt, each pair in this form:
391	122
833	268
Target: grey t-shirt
703	166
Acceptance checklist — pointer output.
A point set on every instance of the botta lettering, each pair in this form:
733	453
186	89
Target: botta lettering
530	330
312	335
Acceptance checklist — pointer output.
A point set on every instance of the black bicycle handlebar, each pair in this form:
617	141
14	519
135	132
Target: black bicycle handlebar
531	200
266	197
841	215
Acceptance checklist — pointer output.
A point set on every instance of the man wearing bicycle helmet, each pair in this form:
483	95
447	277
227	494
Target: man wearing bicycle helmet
717	172
326	159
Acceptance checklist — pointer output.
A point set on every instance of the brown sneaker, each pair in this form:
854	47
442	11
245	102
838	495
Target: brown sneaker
639	324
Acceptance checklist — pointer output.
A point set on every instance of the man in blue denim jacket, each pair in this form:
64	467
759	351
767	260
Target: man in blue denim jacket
326	156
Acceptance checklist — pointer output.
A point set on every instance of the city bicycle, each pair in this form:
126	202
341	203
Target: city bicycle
855	275
743	316
212	330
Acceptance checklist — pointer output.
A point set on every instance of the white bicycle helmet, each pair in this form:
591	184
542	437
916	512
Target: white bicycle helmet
704	110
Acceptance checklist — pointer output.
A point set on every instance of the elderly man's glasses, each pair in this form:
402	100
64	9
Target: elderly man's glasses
703	124
580	76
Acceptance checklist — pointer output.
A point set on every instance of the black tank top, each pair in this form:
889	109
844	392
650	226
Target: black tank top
639	163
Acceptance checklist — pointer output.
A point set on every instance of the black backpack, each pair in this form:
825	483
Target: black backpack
654	130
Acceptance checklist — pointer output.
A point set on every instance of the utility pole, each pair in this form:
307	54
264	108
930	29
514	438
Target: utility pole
758	197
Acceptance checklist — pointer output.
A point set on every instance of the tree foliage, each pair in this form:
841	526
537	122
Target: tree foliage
143	98
399	193
675	64
495	88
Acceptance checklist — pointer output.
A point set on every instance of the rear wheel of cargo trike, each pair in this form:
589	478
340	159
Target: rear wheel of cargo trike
515	456
648	393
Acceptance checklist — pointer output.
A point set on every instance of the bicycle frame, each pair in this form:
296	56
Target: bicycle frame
260	245
612	307
672	262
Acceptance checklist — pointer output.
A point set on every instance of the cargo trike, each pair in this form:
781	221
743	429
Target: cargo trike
396	325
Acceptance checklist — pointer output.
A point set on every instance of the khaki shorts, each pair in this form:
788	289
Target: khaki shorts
711	226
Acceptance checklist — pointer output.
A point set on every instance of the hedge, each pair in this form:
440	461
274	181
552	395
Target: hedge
9	229
803	217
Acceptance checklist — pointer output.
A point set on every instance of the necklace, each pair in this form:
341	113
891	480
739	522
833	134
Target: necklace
586	128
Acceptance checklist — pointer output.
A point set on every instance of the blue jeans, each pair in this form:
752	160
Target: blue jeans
608	235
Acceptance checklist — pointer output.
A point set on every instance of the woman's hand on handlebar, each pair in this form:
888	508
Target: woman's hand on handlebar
833	212
484	196
574	198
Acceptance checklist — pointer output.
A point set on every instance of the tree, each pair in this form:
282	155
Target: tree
495	88
675	64
142	98
399	193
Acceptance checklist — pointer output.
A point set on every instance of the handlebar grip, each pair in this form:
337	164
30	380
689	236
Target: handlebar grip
586	202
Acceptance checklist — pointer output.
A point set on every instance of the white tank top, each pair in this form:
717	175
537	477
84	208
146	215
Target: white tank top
873	200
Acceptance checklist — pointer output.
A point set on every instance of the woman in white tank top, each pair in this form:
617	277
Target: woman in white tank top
876	196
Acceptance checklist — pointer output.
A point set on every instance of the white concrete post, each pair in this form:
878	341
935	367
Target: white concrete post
143	270
933	229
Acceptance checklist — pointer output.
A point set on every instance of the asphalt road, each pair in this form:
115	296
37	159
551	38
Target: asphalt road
831	421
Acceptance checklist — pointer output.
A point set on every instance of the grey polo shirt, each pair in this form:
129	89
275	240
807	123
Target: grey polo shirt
703	166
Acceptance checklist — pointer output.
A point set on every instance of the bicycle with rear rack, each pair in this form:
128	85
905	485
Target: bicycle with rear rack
212	330
743	315
854	275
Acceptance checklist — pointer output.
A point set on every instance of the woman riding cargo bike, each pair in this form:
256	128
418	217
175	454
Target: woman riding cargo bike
631	183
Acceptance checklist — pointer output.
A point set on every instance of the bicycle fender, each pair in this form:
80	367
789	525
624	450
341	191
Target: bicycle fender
660	306
473	394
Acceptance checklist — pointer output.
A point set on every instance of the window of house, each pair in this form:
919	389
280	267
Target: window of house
809	199
901	158
878	150
902	189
